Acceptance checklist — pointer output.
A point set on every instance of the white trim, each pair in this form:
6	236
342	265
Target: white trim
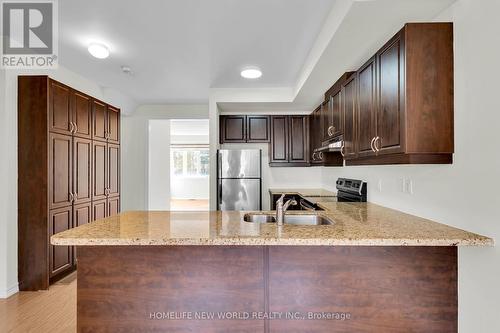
9	292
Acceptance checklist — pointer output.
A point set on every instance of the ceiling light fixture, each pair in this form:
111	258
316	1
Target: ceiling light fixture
251	73
99	51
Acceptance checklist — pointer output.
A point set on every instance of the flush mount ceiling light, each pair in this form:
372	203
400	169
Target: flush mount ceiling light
251	73
99	51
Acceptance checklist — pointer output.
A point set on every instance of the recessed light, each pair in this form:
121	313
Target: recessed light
251	73
99	51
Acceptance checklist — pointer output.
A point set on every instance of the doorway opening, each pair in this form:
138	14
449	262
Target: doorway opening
189	165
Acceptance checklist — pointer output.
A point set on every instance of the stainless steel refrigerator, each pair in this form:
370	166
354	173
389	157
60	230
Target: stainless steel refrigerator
239	179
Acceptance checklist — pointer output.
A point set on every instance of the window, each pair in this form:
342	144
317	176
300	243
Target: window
189	161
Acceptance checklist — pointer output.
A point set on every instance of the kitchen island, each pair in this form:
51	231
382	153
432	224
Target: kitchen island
374	269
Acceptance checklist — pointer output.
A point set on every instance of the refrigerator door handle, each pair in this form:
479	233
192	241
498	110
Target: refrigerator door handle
220	193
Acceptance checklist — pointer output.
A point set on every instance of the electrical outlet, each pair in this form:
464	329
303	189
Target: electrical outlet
408	186
401	185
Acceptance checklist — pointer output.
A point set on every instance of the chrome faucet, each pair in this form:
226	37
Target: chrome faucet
282	207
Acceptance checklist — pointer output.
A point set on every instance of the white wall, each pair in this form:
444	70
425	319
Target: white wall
296	177
465	194
190	188
159	165
8	146
134	136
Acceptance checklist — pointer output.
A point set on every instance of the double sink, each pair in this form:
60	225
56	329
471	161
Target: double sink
293	219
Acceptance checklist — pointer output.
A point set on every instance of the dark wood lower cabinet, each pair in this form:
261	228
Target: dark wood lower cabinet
113	206
60	257
362	288
105	208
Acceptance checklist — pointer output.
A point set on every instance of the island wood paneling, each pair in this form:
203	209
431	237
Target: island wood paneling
384	289
119	287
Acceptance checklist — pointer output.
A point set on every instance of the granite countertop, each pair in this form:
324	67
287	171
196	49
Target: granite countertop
354	224
304	192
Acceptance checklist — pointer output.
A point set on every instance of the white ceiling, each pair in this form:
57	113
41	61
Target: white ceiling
179	49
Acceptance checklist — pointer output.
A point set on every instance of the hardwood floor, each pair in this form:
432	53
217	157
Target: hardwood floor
188	204
51	311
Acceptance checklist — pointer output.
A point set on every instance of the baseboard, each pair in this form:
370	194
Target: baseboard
9	292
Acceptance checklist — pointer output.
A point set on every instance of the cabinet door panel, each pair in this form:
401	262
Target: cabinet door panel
113	125
114	169
348	105
99	210
82	214
336	114
99	159
233	129
298	151
366	108
82	167
113	206
257	128
61	257
327	121
279	139
82	115
390	63
60	170
59	108
99	127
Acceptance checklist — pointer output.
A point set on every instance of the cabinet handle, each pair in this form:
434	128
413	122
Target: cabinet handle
321	155
75	196
342	149
76	128
71	127
377	139
71	197
314	157
371	144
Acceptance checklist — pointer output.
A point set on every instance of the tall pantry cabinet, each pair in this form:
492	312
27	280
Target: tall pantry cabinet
69	173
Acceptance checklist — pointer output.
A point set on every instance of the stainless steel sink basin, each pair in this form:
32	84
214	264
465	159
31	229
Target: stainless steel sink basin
295	219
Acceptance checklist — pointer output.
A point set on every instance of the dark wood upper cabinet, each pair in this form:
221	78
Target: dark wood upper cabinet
258	128
278	150
232	129
299	139
404	100
59	108
349	110
113	126
289	144
60	170
99	120
60	257
81	115
335	111
82	170
113	176
68	157
366	131
390	96
242	128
